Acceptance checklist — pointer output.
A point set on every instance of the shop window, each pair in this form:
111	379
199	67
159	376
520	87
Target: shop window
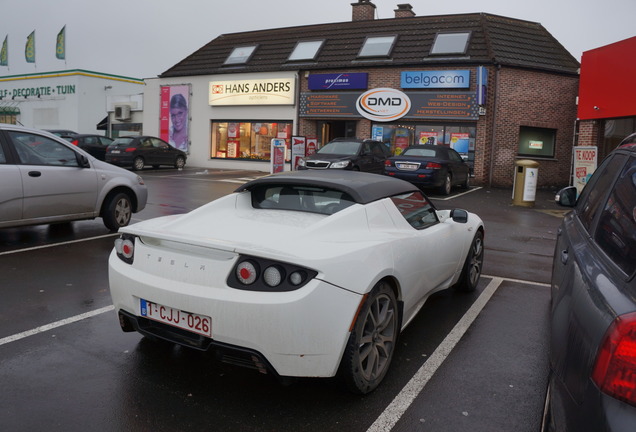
377	46
240	55
450	43
536	142
307	50
247	140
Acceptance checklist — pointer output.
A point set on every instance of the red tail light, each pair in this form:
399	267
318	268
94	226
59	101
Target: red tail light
433	165
388	163
75	142
615	368
130	149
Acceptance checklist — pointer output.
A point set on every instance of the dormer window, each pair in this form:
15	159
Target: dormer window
378	46
307	50
240	55
450	43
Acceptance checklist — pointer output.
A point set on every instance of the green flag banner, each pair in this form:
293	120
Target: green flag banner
60	48
4	54
29	49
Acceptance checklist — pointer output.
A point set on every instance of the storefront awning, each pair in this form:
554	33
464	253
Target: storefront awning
103	125
10	110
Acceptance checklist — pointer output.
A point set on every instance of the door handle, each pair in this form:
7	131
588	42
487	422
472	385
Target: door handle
35	173
564	256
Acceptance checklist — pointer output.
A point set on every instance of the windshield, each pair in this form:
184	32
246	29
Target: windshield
341	148
420	152
122	141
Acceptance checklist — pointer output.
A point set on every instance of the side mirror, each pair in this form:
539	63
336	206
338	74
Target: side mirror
566	197
82	161
459	215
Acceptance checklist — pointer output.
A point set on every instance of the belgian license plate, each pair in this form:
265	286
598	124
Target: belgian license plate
115	152
200	324
407	166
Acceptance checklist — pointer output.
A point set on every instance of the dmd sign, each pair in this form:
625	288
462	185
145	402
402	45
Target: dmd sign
383	104
436	79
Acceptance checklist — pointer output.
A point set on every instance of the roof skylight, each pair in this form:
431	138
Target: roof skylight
450	43
377	46
307	50
240	55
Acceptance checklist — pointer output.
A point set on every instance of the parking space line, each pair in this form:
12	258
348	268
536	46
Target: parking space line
57	244
55	324
390	416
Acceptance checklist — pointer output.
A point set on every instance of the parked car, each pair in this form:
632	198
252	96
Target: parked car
348	154
45	179
139	151
430	166
310	274
60	132
95	145
592	384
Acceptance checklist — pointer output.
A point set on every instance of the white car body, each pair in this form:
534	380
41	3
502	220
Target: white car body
184	261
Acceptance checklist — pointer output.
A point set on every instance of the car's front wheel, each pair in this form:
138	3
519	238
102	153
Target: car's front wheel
138	163
117	212
471	271
372	342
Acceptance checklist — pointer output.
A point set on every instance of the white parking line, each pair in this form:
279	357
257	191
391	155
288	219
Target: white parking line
57	244
55	324
412	389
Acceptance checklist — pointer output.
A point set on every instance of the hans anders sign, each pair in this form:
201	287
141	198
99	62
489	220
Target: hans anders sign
252	92
436	79
383	104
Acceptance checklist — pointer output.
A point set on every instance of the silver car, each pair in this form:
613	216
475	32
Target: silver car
45	179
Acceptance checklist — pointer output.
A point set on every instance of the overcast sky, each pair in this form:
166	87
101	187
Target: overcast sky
143	38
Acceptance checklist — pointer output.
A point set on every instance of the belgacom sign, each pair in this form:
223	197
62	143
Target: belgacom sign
383	104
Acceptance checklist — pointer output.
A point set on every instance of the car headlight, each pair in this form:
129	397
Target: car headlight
301	162
258	274
340	165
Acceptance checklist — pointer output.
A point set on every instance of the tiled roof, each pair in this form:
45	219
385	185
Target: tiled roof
494	40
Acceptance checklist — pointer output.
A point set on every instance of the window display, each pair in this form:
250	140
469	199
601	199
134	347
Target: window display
247	140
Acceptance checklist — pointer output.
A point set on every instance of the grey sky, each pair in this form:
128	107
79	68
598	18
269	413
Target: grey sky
143	38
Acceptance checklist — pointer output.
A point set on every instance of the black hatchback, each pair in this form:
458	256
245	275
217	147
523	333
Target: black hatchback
592	384
349	154
139	151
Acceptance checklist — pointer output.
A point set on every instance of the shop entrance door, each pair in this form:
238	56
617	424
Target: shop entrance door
336	129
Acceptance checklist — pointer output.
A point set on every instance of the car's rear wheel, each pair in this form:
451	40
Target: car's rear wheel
445	188
117	212
471	271
138	163
466	183
372	342
179	162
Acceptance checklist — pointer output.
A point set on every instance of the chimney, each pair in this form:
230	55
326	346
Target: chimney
404	10
364	10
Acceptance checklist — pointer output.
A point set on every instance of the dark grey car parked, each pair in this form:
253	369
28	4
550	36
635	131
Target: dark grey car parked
592	385
349	154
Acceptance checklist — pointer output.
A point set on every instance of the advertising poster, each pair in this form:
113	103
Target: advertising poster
312	146
174	115
298	147
278	156
460	142
585	160
428	138
232	149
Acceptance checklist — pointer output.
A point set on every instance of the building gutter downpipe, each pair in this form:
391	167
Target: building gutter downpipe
494	126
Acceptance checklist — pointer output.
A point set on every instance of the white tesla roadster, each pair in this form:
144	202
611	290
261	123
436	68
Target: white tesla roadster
301	274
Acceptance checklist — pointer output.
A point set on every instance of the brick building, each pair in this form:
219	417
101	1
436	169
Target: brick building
496	89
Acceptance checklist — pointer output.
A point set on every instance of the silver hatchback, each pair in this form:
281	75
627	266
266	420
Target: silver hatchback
45	179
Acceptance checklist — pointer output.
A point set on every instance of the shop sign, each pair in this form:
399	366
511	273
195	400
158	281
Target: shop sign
436	79
252	92
383	104
26	92
343	81
298	150
424	106
585	161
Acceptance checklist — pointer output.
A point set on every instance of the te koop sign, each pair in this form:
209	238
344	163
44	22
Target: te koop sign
383	104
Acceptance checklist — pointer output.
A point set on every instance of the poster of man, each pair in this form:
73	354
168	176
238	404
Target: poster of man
175	115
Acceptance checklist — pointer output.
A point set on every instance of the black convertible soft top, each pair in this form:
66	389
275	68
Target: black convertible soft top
362	187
